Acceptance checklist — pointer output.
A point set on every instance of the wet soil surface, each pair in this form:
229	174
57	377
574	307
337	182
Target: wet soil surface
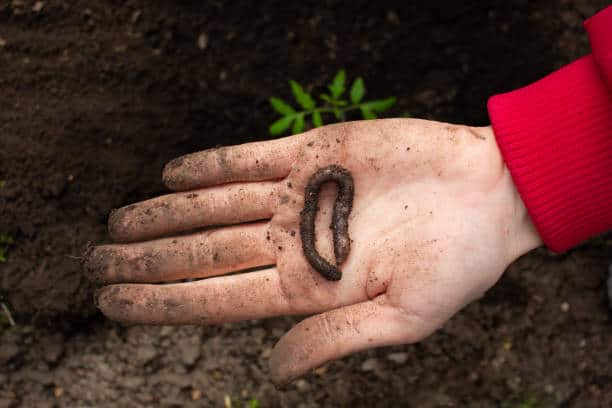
95	96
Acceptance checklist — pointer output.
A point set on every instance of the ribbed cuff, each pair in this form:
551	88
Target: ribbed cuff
599	28
556	138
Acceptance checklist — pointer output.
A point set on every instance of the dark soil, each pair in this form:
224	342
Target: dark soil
95	96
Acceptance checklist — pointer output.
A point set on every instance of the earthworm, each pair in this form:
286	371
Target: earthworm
339	224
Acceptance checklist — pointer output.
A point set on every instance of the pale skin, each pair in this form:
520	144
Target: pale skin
436	220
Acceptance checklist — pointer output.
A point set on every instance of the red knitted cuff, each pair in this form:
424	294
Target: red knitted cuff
556	138
599	28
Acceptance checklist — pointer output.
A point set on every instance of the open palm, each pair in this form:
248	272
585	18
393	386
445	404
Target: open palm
435	222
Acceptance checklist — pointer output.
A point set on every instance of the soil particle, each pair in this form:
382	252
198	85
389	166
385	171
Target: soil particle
398	358
133	382
54	186
145	354
53	349
202	41
190	350
302	386
370	364
8	351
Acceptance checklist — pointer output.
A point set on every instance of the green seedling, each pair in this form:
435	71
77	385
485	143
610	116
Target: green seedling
5	242
254	403
333	102
529	403
6	318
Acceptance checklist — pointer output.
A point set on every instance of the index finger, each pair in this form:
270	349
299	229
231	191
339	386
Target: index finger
255	161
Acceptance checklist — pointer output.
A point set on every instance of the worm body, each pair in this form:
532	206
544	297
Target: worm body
339	224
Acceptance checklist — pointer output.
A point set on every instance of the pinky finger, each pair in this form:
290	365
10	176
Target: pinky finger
339	332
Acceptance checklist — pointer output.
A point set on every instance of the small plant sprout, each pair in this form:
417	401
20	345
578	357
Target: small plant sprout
5	242
333	102
252	403
6	318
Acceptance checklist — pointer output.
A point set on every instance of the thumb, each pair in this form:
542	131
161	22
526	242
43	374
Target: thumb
339	332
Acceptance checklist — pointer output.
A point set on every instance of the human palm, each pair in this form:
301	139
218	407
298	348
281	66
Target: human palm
435	221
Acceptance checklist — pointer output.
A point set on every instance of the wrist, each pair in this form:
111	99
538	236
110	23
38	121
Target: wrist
519	234
523	235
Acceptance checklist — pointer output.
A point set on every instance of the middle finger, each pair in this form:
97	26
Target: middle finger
219	205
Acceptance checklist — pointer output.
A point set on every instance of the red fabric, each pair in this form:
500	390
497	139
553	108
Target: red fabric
556	138
600	35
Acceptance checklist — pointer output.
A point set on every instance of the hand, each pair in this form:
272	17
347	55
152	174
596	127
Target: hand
435	221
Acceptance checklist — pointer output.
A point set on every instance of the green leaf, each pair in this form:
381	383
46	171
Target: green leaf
6	239
333	102
281	125
302	97
317	120
326	98
281	106
254	403
357	91
367	113
380	105
337	86
298	125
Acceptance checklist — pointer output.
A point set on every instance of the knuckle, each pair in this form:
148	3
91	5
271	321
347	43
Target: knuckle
327	327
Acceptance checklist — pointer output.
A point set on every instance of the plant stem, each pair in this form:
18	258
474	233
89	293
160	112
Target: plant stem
331	109
8	315
327	109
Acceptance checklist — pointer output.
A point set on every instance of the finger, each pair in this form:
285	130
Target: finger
339	332
200	255
252	295
247	162
219	205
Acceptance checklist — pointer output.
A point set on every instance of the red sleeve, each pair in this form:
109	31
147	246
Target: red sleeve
556	138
